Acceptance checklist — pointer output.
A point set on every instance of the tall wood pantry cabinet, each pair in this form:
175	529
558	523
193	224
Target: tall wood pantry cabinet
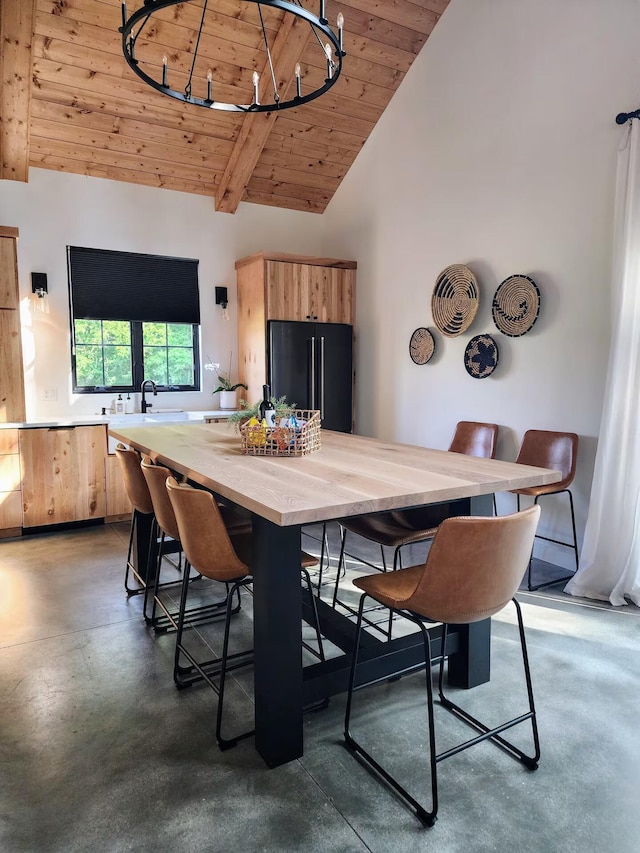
287	287
12	407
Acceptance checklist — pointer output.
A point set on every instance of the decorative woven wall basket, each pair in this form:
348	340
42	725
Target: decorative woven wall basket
481	356
454	301
421	346
284	440
516	305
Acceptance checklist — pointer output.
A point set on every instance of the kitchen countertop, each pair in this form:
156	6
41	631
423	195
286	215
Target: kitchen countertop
135	418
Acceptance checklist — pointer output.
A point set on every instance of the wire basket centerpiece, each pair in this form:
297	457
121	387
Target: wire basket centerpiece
297	435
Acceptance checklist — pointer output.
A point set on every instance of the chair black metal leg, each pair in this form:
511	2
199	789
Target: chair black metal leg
316	621
341	565
324	550
180	627
573	546
427	817
226	743
152	619
494	734
130	568
573	528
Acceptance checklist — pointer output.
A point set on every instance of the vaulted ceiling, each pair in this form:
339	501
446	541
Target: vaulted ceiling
69	101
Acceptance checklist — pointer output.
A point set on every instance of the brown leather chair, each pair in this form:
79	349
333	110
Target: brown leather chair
398	528
472	571
475	439
216	555
140	499
557	450
166	528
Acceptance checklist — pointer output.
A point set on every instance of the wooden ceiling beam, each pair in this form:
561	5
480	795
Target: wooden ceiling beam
16	36
287	50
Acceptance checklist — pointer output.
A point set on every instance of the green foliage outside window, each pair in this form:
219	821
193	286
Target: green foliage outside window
105	351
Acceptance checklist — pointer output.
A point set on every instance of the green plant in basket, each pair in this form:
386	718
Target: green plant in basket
248	410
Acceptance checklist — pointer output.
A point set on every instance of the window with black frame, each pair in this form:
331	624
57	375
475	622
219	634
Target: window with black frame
133	317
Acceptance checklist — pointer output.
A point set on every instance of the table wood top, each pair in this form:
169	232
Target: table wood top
349	475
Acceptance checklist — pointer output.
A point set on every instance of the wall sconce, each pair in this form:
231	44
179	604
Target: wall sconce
222	299
40	292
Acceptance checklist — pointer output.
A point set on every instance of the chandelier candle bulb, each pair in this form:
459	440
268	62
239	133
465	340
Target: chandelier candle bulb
340	23
256	81
209	81
164	70
327	50
298	81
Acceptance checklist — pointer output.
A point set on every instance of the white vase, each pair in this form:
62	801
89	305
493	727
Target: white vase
227	399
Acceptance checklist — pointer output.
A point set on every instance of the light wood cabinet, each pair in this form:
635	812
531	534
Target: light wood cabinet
10	493
63	474
287	287
118	503
308	292
12	406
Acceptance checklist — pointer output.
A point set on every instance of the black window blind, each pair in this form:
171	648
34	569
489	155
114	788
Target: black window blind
107	285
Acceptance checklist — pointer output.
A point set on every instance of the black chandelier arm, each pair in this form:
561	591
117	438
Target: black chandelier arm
187	89
623	118
295	8
276	96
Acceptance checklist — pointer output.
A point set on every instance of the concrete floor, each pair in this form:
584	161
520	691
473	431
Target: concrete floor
99	751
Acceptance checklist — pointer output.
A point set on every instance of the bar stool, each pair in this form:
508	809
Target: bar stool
557	450
472	571
140	499
166	526
399	528
220	557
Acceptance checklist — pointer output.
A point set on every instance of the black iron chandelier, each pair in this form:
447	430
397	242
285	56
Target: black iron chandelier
201	90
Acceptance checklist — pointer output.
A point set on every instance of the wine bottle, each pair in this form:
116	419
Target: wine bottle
267	409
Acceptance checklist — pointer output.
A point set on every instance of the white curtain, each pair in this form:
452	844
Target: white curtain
610	559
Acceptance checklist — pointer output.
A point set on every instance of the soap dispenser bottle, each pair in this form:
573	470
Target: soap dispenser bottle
128	405
119	405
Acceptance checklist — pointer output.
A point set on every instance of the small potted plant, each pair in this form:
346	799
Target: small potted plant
226	388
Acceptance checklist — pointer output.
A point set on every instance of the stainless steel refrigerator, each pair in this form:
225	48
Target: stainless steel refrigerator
312	365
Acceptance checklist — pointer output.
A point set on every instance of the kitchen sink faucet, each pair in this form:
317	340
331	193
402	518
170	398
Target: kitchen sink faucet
144	405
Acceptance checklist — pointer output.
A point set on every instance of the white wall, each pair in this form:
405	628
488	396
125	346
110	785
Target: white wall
55	210
498	151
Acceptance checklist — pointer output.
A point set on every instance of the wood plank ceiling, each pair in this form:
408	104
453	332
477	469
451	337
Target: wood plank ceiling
86	112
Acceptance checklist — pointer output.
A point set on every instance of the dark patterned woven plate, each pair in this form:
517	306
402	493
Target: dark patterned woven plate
421	346
516	305
454	301
481	356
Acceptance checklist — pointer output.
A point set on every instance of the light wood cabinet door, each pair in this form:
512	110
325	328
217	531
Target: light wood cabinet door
12	408
10	513
330	294
286	293
10	482
11	370
8	273
62	474
308	292
9	441
118	503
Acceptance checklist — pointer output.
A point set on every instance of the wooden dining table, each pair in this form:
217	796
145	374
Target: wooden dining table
350	475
